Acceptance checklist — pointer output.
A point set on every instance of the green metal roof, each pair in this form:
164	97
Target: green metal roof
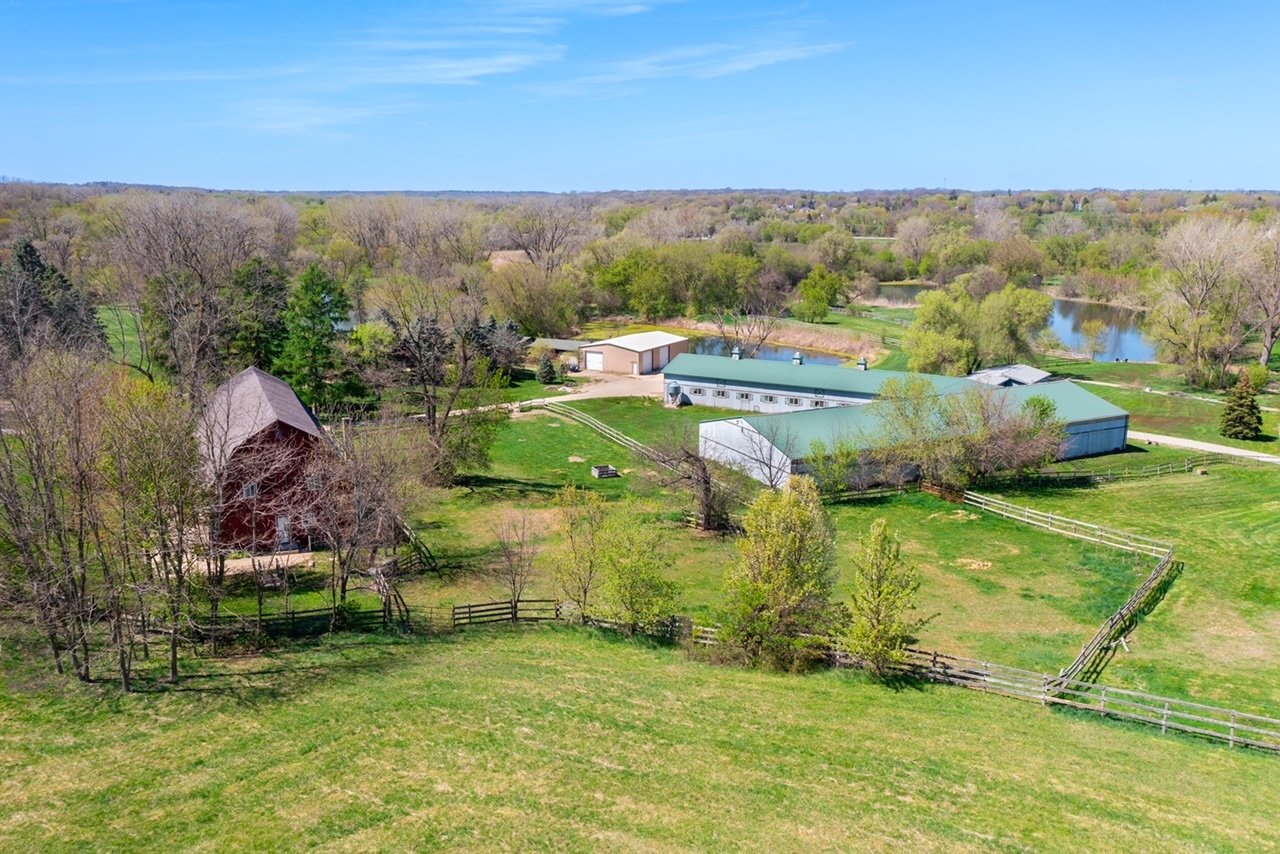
825	378
794	432
1073	403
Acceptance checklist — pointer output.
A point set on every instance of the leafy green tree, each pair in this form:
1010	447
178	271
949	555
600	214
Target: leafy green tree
955	334
883	597
1242	417
310	358
635	590
818	291
779	606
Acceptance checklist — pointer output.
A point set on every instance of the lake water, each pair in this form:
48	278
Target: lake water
714	346
1069	316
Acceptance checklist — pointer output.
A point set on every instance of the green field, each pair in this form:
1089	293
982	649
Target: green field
1000	590
568	740
1216	636
1184	417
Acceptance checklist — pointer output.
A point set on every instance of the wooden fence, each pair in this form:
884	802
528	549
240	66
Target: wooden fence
1098	649
521	611
1238	729
1227	725
1184	466
1071	527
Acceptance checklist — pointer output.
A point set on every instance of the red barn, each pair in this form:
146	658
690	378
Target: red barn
256	437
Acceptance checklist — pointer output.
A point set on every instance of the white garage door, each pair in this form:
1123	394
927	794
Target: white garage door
646	361
595	361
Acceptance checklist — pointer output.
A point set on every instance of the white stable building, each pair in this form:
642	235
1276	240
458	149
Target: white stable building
786	411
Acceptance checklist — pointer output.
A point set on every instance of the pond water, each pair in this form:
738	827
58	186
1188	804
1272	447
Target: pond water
1126	340
716	346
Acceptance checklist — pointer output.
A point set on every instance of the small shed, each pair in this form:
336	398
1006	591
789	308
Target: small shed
640	353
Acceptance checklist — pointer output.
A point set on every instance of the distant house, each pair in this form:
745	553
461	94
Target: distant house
1006	376
256	438
640	353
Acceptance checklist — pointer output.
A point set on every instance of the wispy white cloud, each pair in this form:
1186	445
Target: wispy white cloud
296	115
695	61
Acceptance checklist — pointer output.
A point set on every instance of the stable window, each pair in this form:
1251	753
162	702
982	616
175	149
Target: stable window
250	490
314	482
768	398
720	393
742	395
793	401
818	404
697	391
309	520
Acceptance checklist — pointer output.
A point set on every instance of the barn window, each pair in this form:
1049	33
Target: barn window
309	520
720	393
818	404
742	395
768	398
697	391
314	482
250	490
793	401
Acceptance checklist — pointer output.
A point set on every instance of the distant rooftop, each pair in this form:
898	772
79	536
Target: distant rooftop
1010	375
640	341
826	378
794	432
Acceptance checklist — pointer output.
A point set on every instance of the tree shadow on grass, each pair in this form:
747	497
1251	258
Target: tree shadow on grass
507	487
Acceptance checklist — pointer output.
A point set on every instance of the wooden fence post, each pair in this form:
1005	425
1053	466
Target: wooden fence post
1164	721
1232	741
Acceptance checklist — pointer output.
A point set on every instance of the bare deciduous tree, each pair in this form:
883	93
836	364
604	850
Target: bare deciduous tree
914	238
518	551
546	230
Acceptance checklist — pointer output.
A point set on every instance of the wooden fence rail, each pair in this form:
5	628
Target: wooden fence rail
1070	527
1234	727
1170	714
522	611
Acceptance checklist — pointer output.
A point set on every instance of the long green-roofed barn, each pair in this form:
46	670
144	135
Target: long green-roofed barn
792	405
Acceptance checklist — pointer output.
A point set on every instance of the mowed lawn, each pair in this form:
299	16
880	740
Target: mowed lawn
564	739
1184	417
1216	635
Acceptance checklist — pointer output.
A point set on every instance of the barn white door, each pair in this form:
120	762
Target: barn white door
646	361
595	361
664	356
283	534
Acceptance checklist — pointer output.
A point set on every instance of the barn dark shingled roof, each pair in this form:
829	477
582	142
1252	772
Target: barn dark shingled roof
247	404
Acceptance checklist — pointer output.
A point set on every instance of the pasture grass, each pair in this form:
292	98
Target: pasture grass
1184	417
1216	636
1000	590
568	739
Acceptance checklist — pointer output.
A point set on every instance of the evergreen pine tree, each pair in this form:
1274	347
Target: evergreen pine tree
546	370
1242	418
310	357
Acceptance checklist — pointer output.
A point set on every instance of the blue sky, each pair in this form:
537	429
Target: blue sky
641	94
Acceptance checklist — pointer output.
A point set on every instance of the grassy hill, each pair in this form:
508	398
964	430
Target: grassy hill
569	740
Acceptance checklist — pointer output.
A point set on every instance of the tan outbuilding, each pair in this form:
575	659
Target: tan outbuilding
641	353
